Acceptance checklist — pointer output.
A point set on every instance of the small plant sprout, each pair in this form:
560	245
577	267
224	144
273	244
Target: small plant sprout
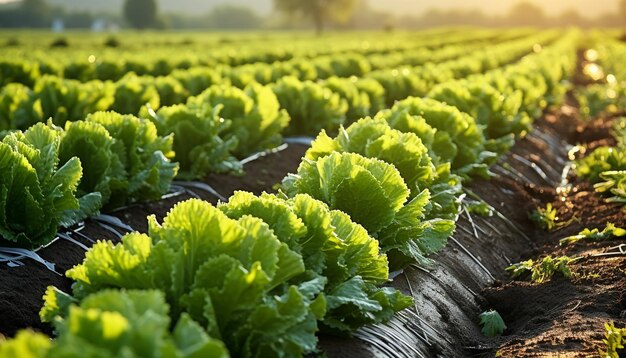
543	270
615	340
493	325
545	218
610	231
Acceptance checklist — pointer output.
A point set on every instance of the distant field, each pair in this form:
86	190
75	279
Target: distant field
449	192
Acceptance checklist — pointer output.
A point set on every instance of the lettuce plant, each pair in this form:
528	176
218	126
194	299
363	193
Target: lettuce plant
374	138
103	171
115	324
500	114
228	275
145	156
374	194
17	107
333	247
602	159
359	104
456	138
38	193
198	139
132	93
257	120
311	106
70	100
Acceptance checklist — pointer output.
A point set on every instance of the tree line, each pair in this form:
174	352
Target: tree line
320	14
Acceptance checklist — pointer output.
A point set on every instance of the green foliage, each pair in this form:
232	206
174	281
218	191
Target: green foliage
358	102
609	231
456	137
143	154
546	218
197	79
543	270
132	93
311	106
255	113
598	98
374	194
228	275
69	100
117	323
399	84
615	340
17	107
492	322
334	247
141	14
319	10
614	183
37	193
198	139
618	131
478	207
90	142
27	344
500	114
602	159
374	138
170	91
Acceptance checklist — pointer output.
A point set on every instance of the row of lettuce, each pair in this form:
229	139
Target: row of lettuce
312	105
605	165
601	63
259	276
156	59
115	159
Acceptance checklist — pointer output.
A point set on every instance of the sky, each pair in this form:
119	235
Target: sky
588	8
552	7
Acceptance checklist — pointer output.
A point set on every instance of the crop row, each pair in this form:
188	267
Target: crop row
325	103
260	275
125	159
161	60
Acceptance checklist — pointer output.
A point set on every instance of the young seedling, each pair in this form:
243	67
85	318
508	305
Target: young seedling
615	340
545	218
543	270
610	231
492	323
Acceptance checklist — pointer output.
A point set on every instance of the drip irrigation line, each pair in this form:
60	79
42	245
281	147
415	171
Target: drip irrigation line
174	192
187	185
113	221
515	173
67	237
19	254
473	258
534	167
619	251
110	229
299	140
471	221
77	232
422	321
502	217
379	341
264	153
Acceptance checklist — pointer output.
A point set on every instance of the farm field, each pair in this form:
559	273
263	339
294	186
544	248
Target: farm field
454	192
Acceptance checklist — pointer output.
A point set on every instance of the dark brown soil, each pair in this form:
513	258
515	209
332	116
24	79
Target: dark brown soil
22	287
565	317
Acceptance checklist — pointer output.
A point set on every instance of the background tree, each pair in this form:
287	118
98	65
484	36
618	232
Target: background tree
233	17
525	13
34	13
141	14
320	11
